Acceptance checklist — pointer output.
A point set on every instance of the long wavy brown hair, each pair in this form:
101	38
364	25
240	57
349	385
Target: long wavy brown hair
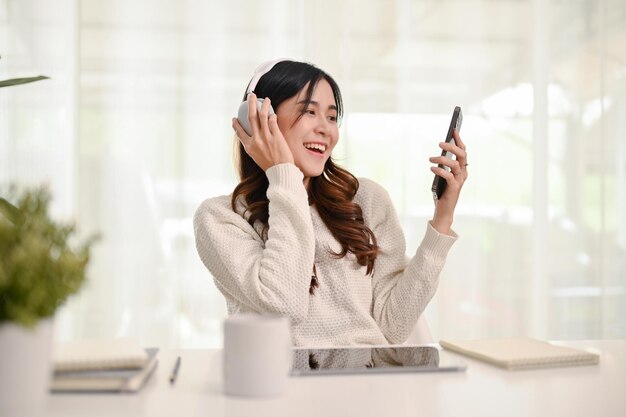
332	193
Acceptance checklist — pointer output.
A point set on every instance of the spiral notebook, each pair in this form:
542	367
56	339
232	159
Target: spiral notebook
521	353
107	380
99	354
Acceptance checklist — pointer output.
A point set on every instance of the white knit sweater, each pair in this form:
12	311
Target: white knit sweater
349	307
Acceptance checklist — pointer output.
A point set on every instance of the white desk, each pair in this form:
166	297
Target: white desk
483	390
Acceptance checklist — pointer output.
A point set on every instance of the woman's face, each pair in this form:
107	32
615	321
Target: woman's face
313	137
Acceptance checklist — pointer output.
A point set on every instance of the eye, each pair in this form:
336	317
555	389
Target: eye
310	111
332	119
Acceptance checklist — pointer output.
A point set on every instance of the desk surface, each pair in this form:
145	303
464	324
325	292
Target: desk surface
482	390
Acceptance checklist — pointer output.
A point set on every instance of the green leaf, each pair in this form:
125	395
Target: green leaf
18	81
8	210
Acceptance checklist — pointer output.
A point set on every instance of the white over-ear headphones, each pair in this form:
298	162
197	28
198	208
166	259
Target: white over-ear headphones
261	70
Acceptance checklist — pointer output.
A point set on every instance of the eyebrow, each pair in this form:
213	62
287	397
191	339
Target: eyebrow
331	107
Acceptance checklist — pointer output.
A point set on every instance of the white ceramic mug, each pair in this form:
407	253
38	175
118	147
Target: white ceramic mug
257	355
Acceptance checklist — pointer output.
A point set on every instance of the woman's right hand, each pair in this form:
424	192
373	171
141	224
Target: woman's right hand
267	145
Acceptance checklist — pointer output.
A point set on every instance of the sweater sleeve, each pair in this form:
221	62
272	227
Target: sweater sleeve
271	276
402	287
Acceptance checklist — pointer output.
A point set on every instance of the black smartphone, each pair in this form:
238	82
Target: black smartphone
439	183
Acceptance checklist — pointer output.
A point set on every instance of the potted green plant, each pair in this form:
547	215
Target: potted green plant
41	265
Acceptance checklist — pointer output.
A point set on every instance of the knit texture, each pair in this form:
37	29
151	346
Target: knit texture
349	307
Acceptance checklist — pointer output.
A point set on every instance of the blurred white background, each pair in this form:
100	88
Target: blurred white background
133	132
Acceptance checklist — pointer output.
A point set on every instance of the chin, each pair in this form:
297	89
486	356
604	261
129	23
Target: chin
312	172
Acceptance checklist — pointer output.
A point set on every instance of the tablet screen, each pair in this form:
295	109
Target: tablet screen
350	360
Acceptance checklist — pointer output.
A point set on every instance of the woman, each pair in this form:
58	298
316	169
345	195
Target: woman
302	237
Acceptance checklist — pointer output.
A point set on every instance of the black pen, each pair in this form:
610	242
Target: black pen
174	373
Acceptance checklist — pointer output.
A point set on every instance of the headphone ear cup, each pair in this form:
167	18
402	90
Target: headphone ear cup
242	117
242	114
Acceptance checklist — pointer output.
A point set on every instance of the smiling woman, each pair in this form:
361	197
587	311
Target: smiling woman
302	237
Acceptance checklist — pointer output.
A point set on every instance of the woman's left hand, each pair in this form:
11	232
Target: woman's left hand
444	206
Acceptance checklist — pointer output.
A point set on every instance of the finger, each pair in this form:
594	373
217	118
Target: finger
460	154
458	141
448	176
273	124
453	164
253	118
444	160
263	117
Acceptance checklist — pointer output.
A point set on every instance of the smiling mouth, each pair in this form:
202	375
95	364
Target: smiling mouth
317	148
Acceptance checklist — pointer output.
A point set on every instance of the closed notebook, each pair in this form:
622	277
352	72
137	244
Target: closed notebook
521	353
99	354
111	380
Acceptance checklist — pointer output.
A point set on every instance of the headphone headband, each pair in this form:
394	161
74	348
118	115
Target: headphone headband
260	71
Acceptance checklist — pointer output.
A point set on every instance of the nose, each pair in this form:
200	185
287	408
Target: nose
323	125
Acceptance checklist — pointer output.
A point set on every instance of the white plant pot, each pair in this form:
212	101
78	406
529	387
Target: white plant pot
25	367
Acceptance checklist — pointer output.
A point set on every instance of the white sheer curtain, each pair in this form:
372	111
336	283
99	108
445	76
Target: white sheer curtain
133	132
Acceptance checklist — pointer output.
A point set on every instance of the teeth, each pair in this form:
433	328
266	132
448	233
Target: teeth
319	147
